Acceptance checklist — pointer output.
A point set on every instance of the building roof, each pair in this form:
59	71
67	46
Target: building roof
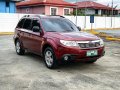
91	4
44	2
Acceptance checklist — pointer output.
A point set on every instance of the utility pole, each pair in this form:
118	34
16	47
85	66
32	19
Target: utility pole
85	16
112	15
76	12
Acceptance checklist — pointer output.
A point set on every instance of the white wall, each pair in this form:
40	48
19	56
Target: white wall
9	21
100	22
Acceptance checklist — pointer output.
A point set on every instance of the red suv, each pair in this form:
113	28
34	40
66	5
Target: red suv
57	39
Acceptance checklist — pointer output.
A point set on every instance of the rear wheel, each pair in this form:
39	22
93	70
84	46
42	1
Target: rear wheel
19	49
91	61
50	58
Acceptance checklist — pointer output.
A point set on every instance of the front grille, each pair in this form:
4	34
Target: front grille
89	44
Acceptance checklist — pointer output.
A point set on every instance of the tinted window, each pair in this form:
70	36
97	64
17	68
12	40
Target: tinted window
35	23
58	25
20	24
27	24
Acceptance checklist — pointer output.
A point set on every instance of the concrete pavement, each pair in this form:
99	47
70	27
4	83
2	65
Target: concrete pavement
28	72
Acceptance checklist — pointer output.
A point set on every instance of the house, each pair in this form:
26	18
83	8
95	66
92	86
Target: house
93	8
47	7
8	6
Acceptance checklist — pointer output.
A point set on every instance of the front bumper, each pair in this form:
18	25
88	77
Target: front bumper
77	54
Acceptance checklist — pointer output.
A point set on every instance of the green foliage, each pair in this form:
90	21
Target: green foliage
79	12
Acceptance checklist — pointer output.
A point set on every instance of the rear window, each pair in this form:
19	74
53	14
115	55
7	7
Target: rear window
20	24
27	24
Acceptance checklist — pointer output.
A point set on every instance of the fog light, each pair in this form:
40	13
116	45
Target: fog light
66	58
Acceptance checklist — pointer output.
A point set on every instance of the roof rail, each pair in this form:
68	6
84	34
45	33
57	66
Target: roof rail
42	15
58	15
32	15
26	16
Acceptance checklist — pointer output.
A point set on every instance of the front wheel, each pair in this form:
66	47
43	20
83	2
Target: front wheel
19	49
50	58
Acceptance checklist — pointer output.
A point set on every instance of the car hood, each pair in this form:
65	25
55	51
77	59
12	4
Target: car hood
72	36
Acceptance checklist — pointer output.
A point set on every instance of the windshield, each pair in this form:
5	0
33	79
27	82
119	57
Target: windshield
58	25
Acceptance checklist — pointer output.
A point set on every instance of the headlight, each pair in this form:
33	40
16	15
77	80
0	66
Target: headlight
101	43
69	43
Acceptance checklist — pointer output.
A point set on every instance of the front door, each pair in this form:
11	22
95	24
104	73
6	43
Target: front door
35	37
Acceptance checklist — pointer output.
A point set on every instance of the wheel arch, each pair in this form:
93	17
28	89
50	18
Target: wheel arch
16	40
19	41
50	42
45	46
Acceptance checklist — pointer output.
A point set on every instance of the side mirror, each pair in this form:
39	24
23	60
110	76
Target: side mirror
79	28
36	29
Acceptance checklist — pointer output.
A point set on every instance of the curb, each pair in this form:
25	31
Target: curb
106	36
102	29
113	39
6	33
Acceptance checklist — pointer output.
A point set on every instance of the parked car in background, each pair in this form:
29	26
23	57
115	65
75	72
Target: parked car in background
57	39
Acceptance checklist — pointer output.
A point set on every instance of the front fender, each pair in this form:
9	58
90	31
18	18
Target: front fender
52	43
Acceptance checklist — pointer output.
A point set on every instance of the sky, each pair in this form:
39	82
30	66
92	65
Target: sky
105	2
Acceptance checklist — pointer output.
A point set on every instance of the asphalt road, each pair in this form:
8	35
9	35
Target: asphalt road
28	72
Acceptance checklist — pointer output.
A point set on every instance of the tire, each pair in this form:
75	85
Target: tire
19	49
91	61
50	58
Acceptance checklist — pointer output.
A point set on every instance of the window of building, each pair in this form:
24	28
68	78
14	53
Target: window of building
53	10
96	11
66	11
7	7
7	4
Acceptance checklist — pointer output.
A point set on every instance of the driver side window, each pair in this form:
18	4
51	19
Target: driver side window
35	23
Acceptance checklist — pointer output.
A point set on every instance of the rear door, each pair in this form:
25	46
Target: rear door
19	29
26	37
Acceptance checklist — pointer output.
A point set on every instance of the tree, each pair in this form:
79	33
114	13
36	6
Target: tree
79	12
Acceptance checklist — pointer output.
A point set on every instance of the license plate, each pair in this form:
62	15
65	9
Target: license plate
92	53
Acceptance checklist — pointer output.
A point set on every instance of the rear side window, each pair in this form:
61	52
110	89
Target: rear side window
27	24
20	24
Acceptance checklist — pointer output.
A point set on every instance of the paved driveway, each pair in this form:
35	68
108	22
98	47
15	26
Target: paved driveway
28	72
